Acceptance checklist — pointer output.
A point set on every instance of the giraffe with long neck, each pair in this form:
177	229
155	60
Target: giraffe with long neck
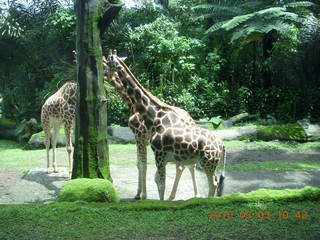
59	109
173	138
142	135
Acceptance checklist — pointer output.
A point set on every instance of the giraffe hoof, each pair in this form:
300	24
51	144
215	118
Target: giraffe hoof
171	198
143	197
137	197
55	171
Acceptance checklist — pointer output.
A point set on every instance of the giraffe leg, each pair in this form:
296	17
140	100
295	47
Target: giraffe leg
142	169
67	130
179	170
160	176
211	183
55	134
194	182
47	134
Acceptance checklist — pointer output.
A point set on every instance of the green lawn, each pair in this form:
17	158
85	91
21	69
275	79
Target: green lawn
263	214
275	166
12	155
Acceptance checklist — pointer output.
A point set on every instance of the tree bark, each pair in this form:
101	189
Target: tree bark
91	154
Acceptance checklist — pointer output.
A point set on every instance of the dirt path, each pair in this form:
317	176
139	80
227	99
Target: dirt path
38	186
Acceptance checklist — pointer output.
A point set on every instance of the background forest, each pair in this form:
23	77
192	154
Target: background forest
212	58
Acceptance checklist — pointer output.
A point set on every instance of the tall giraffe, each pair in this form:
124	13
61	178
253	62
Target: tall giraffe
142	135
59	109
173	138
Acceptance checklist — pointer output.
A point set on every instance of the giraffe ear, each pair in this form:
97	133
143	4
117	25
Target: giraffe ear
122	58
114	52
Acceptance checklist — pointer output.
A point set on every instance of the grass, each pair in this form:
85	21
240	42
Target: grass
275	146
263	214
12	155
275	166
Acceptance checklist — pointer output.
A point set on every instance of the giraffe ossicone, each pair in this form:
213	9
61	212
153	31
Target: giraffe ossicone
174	137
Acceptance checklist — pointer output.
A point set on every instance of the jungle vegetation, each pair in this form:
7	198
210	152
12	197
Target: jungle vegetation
210	57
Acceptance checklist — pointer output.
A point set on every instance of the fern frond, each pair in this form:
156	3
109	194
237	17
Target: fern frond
213	9
299	4
253	31
216	27
236	21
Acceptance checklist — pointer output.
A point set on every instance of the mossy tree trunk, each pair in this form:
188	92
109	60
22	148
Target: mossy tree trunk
91	156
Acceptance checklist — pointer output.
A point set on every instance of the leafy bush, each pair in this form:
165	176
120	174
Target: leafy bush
89	190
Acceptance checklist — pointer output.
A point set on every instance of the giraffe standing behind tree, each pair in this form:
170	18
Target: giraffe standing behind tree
59	109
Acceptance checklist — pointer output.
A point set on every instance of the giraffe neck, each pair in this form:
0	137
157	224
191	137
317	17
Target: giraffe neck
68	92
116	83
142	100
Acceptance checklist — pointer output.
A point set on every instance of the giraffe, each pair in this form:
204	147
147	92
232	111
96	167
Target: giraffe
59	109
173	138
142	135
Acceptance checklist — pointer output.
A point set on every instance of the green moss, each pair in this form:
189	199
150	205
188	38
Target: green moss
281	132
89	190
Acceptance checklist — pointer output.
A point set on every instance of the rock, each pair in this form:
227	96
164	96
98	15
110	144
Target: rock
312	131
120	135
230	134
37	141
115	135
229	123
8	129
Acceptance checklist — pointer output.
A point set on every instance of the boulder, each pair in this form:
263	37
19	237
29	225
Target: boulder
37	140
312	131
236	133
231	121
120	135
8	129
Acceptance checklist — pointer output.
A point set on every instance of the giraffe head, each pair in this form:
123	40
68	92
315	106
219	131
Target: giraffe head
112	62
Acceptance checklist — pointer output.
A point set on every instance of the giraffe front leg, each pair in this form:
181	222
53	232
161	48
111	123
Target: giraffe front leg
179	170
142	169
160	177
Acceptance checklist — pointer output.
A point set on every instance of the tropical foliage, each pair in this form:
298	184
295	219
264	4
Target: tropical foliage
213	58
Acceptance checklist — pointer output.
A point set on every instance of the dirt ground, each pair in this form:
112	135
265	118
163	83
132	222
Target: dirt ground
38	186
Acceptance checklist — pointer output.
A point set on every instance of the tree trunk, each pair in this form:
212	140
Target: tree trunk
91	155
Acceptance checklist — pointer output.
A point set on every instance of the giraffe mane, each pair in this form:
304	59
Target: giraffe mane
151	96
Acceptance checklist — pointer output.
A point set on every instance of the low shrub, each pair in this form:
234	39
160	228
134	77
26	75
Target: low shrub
89	190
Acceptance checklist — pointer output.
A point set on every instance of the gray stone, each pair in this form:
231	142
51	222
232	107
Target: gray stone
229	123
230	134
312	131
120	135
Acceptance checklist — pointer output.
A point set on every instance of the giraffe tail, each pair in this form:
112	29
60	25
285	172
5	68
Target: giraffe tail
222	176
